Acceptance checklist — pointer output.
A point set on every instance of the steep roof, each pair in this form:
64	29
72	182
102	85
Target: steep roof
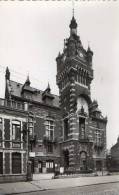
16	89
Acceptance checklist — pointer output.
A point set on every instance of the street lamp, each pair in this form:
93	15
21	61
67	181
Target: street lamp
29	172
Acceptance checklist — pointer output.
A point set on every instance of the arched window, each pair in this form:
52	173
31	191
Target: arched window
83	160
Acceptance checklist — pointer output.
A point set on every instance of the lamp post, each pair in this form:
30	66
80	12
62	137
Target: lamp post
29	172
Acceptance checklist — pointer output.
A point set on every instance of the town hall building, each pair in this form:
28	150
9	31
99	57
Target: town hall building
66	131
83	141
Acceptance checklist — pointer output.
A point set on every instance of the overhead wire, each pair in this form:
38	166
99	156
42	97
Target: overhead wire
18	74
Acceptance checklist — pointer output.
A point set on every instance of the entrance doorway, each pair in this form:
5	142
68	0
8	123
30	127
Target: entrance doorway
83	161
40	167
66	158
98	165
49	166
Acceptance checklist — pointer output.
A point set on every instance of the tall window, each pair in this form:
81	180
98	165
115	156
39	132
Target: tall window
1	128
50	129
98	137
16	163
66	128
16	131
50	147
1	162
82	127
31	126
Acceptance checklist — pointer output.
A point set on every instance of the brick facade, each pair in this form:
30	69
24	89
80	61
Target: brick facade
84	146
113	158
13	152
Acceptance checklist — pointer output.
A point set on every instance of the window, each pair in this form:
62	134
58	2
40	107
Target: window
1	129
16	163
31	126
98	137
82	127
50	166
16	130
50	129
1	162
82	131
50	147
66	128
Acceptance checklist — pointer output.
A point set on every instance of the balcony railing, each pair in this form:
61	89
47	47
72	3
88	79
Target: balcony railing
13	104
98	144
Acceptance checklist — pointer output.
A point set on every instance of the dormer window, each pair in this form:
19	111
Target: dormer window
47	97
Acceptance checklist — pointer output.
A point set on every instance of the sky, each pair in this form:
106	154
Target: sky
32	34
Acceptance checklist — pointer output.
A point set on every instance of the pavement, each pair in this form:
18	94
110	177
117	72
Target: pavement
53	184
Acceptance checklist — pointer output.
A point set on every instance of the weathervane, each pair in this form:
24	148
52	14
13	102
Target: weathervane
73	8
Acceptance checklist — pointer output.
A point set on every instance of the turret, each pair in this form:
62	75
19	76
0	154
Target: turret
73	26
7	88
89	56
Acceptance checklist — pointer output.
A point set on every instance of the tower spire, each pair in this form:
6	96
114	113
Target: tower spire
73	8
73	24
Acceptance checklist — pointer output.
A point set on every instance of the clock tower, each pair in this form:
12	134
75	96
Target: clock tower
74	76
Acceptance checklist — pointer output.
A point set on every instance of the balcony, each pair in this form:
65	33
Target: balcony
13	104
47	140
98	145
83	139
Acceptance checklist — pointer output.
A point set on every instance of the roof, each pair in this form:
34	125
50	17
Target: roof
16	89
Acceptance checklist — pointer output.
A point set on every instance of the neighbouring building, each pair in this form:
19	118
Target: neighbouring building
113	158
13	146
44	122
67	130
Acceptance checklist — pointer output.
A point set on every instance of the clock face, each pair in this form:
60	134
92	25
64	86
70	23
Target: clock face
80	54
81	102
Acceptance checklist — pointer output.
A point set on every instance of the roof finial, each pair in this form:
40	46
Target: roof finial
89	46
27	80
7	75
48	85
48	88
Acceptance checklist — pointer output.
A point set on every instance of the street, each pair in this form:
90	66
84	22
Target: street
100	185
101	189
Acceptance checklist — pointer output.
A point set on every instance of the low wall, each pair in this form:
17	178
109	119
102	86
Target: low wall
12	178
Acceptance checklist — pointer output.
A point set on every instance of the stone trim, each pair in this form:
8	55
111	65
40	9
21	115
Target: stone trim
10	162
3	134
7	116
3	162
